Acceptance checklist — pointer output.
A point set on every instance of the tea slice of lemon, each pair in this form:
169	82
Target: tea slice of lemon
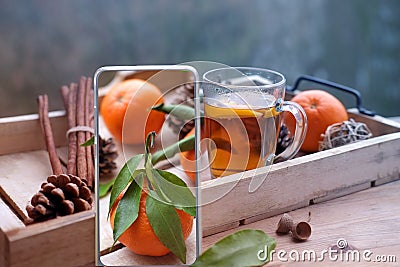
228	112
270	112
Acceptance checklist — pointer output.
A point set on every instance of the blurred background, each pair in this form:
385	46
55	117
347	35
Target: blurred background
45	44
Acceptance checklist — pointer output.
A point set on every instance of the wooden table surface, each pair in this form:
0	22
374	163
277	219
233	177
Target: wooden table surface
367	220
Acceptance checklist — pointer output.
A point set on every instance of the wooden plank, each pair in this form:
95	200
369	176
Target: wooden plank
342	192
396	119
312	176
276	212
9	221
23	133
125	257
62	153
369	219
27	170
92	264
4	250
21	175
42	244
377	124
220	228
388	177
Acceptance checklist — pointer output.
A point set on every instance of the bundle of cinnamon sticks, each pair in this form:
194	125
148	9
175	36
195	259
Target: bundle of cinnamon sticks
79	104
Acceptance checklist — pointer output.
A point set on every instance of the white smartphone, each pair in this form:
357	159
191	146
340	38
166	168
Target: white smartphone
138	165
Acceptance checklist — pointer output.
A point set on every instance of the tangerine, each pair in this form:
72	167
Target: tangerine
187	160
126	110
322	110
140	237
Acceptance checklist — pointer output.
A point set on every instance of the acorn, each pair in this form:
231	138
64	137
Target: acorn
300	230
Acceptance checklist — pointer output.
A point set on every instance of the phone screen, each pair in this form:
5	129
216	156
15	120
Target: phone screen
146	174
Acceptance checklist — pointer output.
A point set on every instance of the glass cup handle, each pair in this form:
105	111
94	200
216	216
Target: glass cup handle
300	133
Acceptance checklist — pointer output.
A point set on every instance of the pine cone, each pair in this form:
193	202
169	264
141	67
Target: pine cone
60	195
107	154
184	94
285	139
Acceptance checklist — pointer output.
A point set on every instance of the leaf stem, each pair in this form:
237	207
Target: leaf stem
184	144
181	111
149	143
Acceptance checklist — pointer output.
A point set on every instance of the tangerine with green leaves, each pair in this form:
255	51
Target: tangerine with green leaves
126	110
140	237
322	110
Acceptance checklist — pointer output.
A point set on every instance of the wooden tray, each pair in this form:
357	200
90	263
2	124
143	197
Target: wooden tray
304	180
24	165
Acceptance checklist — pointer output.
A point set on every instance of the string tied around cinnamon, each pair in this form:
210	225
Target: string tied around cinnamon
80	128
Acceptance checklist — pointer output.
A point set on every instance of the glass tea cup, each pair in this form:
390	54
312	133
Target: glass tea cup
242	116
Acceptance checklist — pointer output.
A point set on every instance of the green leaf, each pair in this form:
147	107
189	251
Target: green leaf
167	226
125	175
170	188
105	188
181	111
184	144
89	142
188	201
151	172
128	207
240	249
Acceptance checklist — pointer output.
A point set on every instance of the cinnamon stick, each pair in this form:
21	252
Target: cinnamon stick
89	111
43	106
65	94
72	137
81	136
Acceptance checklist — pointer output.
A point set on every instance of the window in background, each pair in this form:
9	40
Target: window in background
45	44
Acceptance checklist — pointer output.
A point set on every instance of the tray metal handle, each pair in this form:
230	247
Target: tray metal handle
340	87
